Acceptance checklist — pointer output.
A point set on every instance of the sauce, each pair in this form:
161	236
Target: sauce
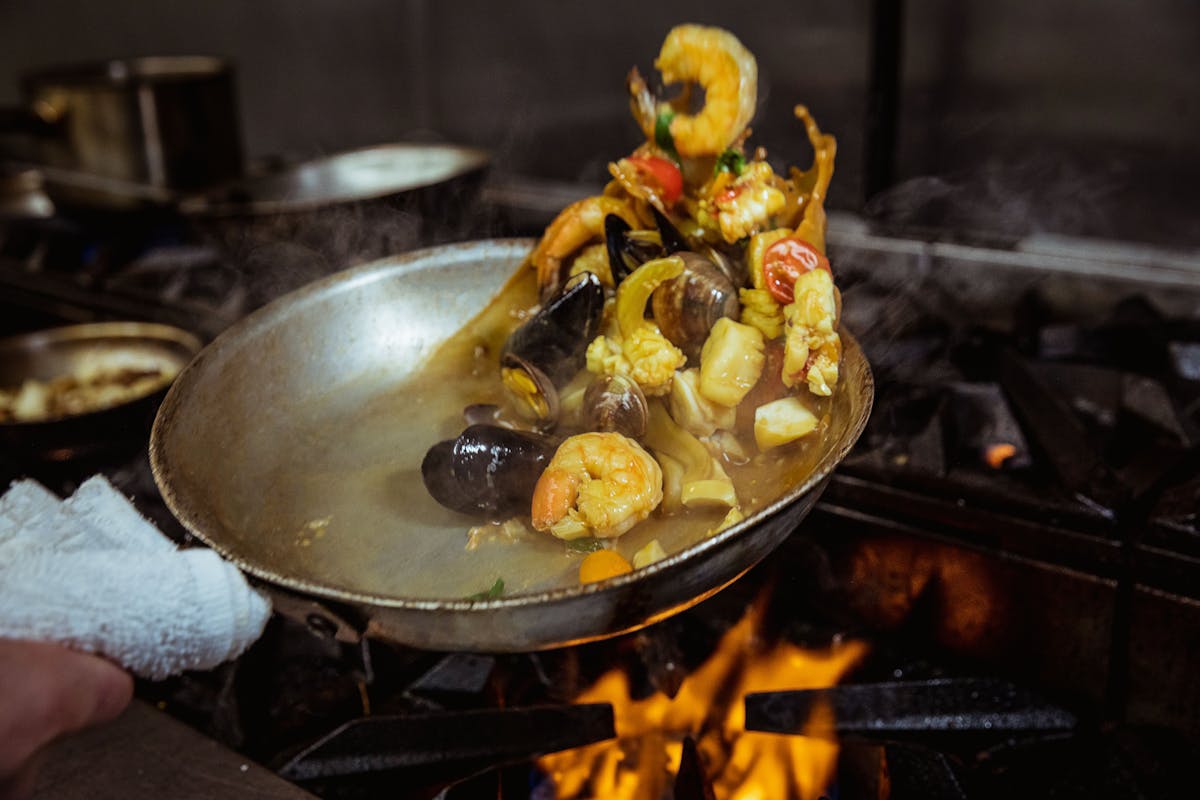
343	504
465	370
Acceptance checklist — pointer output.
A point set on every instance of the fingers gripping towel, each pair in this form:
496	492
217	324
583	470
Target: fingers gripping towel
91	573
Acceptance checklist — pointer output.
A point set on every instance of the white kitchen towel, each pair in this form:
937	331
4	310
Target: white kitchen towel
91	573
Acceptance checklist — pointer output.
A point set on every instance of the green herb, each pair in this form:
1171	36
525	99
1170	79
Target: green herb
492	593
731	161
586	544
662	133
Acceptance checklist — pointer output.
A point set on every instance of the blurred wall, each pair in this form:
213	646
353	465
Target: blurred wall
1076	116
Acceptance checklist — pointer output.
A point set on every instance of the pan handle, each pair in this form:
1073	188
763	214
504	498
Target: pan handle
327	621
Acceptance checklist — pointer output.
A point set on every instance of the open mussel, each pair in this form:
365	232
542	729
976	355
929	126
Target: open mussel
546	352
487	471
627	249
672	240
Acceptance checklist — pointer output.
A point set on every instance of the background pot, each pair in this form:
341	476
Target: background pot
130	131
294	225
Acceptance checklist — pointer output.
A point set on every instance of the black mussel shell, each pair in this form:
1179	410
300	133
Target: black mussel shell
672	240
625	254
555	339
487	471
439	478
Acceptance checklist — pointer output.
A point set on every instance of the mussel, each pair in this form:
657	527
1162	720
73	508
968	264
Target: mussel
672	239
629	249
546	352
487	471
627	252
615	403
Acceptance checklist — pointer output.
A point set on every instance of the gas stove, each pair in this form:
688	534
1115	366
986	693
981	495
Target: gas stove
1005	573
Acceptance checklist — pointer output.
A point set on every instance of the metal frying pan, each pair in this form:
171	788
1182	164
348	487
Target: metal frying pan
292	445
99	346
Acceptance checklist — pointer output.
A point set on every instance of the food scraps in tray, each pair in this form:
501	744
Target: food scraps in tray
686	327
94	384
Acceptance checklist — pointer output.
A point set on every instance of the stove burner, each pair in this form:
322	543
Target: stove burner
888	709
455	742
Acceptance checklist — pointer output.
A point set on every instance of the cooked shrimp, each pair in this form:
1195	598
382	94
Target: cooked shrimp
578	224
728	73
597	484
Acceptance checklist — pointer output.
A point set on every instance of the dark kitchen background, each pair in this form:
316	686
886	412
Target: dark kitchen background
1066	116
1017	237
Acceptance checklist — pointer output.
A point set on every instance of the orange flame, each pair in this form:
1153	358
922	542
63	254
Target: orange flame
644	758
997	454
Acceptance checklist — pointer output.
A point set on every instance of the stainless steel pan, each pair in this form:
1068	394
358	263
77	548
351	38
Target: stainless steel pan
292	445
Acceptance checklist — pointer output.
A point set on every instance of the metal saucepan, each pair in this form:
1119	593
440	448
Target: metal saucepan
303	222
293	444
49	354
369	173
127	132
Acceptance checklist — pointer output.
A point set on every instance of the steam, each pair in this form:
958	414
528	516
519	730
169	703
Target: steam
1008	199
277	254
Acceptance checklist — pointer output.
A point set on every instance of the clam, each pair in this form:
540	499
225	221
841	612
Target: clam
732	266
542	355
687	307
615	403
487	471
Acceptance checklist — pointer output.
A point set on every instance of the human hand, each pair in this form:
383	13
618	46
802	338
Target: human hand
47	691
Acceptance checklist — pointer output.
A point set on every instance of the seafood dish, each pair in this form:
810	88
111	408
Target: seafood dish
681	339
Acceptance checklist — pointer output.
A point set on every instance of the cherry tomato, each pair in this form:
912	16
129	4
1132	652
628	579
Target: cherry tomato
663	173
785	261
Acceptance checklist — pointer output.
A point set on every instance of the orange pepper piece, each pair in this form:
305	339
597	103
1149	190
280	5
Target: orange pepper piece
602	565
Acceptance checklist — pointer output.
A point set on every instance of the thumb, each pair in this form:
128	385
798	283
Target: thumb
47	690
